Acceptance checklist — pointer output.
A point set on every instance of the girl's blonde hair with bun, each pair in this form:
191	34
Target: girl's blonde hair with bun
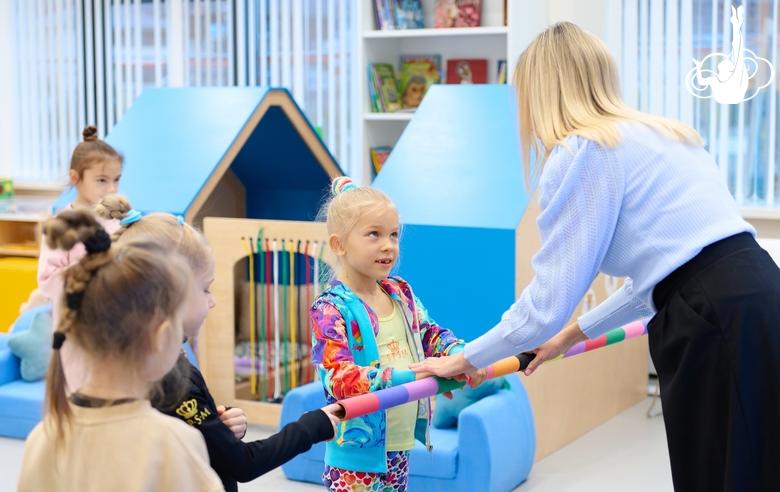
179	236
349	202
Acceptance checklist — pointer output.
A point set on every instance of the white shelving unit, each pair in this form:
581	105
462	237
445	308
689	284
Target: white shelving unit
493	41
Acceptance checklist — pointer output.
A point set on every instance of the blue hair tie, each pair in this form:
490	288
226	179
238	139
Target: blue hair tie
180	219
132	217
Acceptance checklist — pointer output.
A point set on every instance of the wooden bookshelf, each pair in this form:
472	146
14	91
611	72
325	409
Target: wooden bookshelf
21	224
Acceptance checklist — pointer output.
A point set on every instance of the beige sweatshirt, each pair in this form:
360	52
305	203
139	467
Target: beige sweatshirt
128	447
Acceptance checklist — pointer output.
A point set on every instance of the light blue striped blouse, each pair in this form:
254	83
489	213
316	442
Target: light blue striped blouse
640	210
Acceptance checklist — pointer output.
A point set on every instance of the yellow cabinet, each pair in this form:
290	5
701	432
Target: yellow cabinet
17	280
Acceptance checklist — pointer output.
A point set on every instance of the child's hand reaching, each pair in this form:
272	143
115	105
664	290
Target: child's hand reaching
476	378
234	418
332	411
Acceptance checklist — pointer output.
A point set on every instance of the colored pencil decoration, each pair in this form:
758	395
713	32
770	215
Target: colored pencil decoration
293	326
283	277
277	344
262	356
252	374
271	369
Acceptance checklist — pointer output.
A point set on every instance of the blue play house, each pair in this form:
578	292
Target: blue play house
195	152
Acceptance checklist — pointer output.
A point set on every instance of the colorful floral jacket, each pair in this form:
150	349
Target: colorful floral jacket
346	356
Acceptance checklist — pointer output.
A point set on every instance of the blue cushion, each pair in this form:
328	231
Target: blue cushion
18	427
9	363
33	347
24	320
22	399
444	462
445	415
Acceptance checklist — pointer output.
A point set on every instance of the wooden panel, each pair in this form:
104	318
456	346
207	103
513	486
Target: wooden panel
228	199
572	396
217	338
20	234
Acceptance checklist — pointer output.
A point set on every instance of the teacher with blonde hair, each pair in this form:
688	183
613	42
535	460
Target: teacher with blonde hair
635	195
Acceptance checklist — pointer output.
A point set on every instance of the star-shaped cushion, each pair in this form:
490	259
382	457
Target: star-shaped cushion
33	347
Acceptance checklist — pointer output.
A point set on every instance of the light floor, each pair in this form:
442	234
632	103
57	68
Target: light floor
626	453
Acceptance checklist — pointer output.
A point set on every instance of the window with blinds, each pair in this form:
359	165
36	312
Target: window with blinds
82	62
655	42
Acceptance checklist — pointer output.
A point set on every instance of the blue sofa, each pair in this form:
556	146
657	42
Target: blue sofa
21	403
491	450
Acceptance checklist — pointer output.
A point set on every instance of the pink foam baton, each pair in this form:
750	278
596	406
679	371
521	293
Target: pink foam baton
631	330
365	404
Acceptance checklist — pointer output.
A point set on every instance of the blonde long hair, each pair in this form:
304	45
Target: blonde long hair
181	237
567	84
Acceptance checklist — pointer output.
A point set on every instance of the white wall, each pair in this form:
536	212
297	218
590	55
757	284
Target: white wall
8	105
588	15
533	16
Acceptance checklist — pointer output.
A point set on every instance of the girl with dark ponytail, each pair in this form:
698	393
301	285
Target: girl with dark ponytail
122	307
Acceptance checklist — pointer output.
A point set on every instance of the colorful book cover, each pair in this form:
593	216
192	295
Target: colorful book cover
418	73
408	14
390	14
457	13
372	89
384	15
6	188
386	87
378	157
501	78
467	71
377	16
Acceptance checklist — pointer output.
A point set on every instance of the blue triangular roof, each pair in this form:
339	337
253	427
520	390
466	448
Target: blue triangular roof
458	161
173	140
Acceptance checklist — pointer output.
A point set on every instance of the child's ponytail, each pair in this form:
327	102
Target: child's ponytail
114	207
113	299
169	229
64	231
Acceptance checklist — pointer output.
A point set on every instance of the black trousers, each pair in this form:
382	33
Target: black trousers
715	343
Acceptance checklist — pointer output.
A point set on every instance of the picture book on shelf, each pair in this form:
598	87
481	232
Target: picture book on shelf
501	78
398	14
467	71
384	15
408	14
375	105
383	87
418	73
457	13
378	157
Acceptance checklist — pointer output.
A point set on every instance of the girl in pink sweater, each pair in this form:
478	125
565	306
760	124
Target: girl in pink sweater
95	169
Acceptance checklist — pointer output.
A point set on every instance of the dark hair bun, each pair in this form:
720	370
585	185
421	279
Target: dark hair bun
70	227
89	133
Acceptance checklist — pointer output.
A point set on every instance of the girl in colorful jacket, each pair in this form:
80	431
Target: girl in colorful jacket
367	328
